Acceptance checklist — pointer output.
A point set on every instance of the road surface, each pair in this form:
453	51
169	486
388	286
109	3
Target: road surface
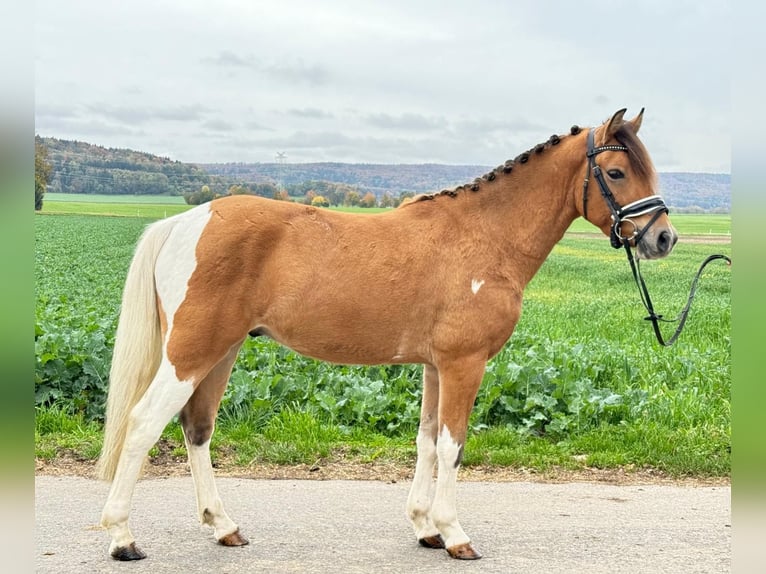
359	527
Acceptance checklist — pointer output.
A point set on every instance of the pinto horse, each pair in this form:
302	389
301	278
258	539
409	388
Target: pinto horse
438	281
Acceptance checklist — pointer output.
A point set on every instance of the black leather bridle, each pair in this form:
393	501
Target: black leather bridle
653	204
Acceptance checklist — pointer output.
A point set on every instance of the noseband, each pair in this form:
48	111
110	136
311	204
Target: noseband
652	204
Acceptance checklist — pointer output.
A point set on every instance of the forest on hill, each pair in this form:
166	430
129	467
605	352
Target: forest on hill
79	167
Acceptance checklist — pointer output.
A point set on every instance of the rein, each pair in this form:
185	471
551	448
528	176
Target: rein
653	204
647	301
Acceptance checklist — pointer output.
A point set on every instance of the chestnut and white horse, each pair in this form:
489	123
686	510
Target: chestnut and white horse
438	281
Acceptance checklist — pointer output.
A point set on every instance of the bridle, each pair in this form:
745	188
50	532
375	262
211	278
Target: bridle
653	204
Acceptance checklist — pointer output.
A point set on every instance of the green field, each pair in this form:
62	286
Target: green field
82	198
686	224
581	383
164	206
153	207
136	205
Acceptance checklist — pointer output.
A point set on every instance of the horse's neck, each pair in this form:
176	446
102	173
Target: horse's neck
527	211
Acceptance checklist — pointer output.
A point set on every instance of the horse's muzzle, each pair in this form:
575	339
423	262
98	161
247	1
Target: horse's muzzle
657	242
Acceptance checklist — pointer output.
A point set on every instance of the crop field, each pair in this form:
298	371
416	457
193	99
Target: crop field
702	224
155	207
581	382
82	198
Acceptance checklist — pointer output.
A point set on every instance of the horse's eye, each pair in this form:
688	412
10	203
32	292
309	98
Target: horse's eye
615	174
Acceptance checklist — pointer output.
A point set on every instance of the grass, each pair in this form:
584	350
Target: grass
150	206
155	207
58	430
581	383
685	224
83	198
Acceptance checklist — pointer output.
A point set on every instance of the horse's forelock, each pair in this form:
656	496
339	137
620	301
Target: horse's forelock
639	157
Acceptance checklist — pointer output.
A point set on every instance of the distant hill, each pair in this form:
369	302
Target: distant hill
377	178
79	167
696	192
683	192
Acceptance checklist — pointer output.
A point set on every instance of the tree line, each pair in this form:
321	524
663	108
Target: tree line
316	193
79	167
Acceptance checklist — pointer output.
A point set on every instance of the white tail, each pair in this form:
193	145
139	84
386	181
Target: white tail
137	345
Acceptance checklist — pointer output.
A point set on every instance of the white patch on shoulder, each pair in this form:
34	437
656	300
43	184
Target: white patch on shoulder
476	285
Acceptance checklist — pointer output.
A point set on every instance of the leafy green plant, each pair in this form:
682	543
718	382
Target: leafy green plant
581	367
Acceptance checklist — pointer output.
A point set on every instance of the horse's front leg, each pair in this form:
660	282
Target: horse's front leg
419	500
459	382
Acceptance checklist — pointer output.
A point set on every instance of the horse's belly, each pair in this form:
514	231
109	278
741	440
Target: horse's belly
348	342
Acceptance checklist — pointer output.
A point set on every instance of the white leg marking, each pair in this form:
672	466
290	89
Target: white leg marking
444	511
476	285
209	504
419	499
164	398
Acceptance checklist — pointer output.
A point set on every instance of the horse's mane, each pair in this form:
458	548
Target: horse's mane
637	153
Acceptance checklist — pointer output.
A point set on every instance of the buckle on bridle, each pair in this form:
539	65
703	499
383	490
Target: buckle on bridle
617	229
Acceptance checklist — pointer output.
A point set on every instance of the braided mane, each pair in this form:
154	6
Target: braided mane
503	169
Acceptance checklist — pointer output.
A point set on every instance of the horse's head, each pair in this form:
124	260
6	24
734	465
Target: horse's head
619	193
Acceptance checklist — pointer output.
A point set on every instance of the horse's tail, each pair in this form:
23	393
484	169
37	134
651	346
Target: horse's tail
137	345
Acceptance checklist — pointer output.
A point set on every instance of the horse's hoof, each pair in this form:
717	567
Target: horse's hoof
464	552
233	539
435	541
126	553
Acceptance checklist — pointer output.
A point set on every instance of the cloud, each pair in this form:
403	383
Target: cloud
85	129
56	111
217	125
295	71
312	113
394	83
140	115
229	59
406	121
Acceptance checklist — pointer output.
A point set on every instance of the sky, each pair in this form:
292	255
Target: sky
401	81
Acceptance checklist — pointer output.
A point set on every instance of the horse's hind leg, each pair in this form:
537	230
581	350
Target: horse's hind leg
419	500
198	423
164	398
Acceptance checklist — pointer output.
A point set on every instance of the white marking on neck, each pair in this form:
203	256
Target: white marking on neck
476	285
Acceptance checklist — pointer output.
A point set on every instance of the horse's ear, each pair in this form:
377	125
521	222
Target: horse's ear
636	122
613	125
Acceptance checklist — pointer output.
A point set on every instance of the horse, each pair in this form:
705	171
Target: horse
437	281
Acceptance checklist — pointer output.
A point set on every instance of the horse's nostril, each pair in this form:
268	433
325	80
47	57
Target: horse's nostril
664	241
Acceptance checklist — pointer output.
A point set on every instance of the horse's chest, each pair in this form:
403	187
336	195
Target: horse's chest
482	321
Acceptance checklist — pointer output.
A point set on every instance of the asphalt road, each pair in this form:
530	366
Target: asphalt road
358	526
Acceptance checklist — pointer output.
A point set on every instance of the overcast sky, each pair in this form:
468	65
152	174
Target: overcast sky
470	82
